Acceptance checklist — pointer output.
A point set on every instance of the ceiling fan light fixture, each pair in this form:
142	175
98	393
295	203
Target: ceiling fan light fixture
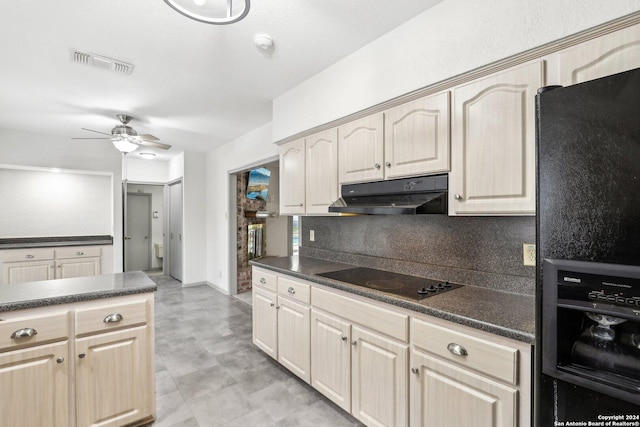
124	146
196	9
147	156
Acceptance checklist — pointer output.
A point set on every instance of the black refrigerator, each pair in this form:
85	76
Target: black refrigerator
587	349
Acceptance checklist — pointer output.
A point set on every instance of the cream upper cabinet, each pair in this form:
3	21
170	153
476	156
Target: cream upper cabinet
493	143
610	54
292	178
416	140
321	171
361	150
379	383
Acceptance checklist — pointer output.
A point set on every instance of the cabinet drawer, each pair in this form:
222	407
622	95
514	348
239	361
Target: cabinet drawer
496	360
78	252
47	327
294	289
265	279
28	255
112	316
372	316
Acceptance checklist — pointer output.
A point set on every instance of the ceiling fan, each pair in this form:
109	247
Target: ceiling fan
126	139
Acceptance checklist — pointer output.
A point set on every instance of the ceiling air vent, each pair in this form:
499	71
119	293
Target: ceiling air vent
101	62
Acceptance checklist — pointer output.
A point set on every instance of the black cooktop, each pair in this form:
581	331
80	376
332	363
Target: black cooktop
397	284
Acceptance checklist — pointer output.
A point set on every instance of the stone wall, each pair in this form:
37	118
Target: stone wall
245	209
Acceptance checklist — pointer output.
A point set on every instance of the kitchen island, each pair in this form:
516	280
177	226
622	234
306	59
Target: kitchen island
78	351
397	360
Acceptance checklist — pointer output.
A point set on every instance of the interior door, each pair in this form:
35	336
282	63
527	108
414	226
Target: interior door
137	240
175	230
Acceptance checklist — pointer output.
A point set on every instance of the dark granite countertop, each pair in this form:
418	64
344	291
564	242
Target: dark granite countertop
60	291
502	313
48	242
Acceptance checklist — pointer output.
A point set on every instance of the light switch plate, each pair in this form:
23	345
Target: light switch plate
529	253
312	235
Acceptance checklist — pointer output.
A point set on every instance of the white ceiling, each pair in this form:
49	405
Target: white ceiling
194	85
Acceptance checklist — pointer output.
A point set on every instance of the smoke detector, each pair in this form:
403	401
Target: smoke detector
101	62
263	41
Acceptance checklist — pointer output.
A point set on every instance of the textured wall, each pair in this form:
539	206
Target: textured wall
483	251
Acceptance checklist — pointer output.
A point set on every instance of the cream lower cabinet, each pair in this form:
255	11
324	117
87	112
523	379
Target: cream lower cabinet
464	377
78	262
281	321
362	370
101	375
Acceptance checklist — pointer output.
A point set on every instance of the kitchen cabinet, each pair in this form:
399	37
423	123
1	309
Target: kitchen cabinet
411	139
609	54
453	367
321	177
493	143
103	373
29	265
34	371
292	178
281	321
354	363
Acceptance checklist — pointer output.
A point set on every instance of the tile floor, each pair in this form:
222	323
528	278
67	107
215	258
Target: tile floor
209	373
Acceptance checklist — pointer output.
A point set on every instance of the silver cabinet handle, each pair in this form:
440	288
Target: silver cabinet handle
263	280
457	196
388	164
23	333
343	338
301	204
377	165
277	307
113	318
29	256
79	253
354	343
415	371
291	290
457	349
60	359
81	355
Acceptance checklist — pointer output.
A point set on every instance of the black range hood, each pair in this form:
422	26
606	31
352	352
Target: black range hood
407	196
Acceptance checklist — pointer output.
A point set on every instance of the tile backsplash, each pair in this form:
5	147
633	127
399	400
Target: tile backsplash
481	251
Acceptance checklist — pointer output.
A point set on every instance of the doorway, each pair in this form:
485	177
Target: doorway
144	223
175	230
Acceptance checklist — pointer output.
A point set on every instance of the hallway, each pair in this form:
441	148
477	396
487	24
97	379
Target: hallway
209	373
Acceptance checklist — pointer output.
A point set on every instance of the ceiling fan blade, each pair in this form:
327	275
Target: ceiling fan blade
153	144
91	130
147	137
91	138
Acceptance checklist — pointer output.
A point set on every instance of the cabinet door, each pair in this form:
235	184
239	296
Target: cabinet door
445	395
331	358
379	379
294	337
77	267
265	321
493	145
417	138
292	174
34	386
114	383
28	271
610	54
321	171
361	150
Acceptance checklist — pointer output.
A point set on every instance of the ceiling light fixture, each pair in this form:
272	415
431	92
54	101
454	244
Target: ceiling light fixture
124	145
147	156
202	11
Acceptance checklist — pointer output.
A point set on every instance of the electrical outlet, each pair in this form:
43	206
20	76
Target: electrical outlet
529	253
312	235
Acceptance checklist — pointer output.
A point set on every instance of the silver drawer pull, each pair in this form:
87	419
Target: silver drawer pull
24	333
415	371
113	318
60	360
344	338
263	280
79	253
29	256
291	290
457	349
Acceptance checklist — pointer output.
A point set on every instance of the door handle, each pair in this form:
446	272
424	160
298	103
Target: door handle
127	238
